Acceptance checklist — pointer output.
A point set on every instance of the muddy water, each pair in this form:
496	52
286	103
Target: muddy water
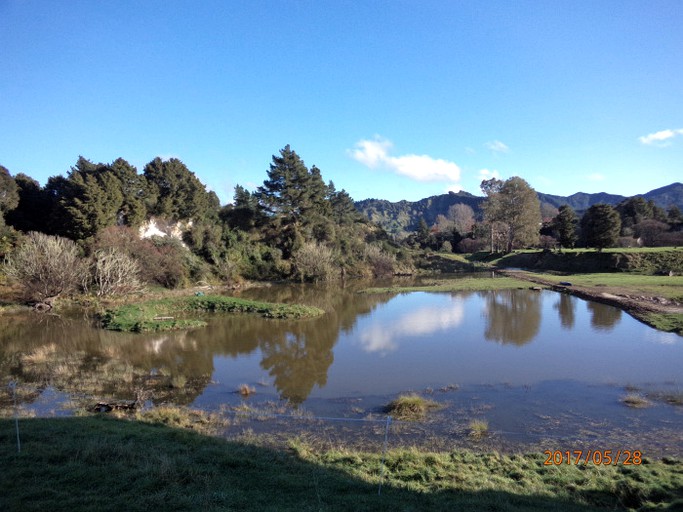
540	367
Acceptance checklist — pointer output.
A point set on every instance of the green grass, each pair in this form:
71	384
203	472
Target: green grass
167	314
106	464
636	284
410	407
668	322
478	428
457	284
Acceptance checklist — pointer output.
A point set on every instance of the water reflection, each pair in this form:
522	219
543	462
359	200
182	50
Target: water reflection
381	337
362	344
566	308
512	316
604	318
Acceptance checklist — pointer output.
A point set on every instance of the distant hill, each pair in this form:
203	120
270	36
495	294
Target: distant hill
404	216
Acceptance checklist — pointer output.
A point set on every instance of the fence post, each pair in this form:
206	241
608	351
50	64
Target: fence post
384	456
13	386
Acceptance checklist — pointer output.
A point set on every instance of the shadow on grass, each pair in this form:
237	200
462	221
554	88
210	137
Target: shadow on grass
99	463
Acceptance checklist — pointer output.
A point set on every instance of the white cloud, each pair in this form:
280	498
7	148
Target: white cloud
385	337
497	146
595	177
375	154
485	174
660	138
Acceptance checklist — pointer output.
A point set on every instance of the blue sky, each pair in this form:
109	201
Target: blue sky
390	99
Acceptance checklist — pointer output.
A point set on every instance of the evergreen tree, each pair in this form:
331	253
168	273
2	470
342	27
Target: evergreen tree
88	200
674	217
9	194
294	199
134	190
601	226
564	225
291	190
33	211
176	193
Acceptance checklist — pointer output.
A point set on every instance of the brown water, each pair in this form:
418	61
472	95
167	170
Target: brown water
533	364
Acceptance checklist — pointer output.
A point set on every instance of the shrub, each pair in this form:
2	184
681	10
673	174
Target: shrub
115	273
314	262
46	266
381	263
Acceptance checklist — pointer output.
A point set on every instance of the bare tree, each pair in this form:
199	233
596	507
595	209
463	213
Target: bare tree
462	216
46	266
115	273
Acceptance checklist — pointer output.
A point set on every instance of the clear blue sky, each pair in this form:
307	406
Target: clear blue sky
390	99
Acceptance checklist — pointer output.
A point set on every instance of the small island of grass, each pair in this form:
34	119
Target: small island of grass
170	314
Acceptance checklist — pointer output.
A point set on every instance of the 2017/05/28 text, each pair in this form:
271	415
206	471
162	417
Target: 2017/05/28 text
597	457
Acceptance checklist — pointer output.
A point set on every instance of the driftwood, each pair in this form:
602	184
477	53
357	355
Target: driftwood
45	304
121	405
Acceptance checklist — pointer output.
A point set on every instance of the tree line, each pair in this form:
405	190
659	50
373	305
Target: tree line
513	219
294	226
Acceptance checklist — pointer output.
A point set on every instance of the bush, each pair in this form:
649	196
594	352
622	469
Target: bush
381	263
46	266
471	245
115	273
314	262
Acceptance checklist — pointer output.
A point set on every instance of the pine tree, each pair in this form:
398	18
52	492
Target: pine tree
601	226
565	226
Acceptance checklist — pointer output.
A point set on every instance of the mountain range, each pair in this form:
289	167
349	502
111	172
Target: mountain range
401	217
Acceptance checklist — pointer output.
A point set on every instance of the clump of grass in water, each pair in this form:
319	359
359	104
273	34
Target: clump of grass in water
246	390
636	401
410	407
478	429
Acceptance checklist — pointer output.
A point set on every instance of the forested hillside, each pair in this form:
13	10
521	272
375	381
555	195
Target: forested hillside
401	218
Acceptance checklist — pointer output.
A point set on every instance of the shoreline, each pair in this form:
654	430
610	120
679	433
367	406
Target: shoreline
640	307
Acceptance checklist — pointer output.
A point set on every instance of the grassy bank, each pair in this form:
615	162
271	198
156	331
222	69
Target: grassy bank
650	260
171	313
103	464
464	284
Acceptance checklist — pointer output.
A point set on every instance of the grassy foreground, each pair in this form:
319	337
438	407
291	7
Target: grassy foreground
106	464
162	314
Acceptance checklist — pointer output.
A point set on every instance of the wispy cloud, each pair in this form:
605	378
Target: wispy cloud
661	138
485	174
497	146
375	154
596	176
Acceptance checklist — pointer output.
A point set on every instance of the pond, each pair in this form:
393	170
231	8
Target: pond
541	368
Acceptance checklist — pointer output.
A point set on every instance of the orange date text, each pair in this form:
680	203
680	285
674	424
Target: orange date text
596	457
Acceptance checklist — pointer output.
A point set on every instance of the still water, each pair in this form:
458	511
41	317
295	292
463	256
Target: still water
510	355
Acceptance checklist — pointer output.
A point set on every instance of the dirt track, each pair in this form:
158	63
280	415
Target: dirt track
638	306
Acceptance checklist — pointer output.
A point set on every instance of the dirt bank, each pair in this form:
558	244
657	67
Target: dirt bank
639	306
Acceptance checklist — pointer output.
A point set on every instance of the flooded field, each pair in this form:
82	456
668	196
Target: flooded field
541	369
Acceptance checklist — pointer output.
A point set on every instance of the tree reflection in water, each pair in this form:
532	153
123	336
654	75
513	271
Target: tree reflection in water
73	356
512	316
566	308
604	317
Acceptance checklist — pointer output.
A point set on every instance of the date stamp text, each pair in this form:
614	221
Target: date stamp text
596	457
